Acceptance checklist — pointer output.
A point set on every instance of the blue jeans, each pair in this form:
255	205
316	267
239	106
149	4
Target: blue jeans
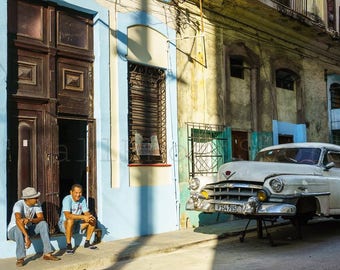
40	228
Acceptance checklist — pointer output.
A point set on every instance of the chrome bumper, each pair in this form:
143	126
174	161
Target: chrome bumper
252	207
199	205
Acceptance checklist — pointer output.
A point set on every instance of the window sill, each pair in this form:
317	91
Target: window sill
149	165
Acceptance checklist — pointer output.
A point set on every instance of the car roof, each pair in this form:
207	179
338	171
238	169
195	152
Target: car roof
328	146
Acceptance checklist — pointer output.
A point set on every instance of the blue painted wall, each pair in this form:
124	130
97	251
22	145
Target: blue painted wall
298	131
3	122
125	211
151	209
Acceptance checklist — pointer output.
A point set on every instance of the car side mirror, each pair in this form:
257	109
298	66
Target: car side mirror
329	165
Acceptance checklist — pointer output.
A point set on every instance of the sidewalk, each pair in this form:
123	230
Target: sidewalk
108	253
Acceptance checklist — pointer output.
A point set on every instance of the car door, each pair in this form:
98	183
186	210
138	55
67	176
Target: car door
333	175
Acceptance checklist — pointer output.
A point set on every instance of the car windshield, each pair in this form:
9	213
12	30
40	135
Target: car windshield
290	155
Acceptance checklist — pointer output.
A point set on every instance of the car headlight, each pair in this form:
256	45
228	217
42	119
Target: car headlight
277	184
194	183
262	195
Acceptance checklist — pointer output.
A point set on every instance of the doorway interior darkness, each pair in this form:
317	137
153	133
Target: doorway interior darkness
286	138
72	155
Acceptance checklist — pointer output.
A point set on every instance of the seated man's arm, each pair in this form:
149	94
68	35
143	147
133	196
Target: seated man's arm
40	217
21	222
86	217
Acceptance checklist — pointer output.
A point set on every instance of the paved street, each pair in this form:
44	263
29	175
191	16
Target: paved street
319	249
214	247
111	252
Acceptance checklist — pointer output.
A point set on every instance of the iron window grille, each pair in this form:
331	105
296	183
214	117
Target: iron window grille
207	148
147	114
336	137
335	96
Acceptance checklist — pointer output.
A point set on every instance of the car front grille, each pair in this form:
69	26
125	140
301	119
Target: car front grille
233	191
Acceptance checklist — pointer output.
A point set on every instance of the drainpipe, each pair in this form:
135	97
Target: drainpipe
253	91
329	109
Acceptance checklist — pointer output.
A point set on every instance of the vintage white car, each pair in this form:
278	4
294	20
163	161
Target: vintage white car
295	181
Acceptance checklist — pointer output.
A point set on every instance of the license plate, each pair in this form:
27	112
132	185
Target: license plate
229	208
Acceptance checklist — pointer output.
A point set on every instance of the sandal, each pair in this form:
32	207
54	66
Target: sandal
20	262
51	257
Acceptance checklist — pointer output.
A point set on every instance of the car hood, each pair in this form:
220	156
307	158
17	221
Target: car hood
258	171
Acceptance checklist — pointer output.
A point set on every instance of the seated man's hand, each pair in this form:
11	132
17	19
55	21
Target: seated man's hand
27	242
90	219
27	221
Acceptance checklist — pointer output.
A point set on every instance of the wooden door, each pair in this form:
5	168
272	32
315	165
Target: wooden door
240	145
25	136
50	76
51	167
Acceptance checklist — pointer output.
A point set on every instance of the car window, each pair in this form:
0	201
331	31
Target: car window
291	155
333	157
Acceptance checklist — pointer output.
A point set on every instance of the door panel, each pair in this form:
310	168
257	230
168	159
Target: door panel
32	74
27	153
51	183
74	84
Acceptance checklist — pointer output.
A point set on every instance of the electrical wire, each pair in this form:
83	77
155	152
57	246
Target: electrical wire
242	28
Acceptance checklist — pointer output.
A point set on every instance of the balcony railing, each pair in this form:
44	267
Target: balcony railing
297	9
298	6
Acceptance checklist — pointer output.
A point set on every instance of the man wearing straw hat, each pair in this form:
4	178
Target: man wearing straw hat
28	219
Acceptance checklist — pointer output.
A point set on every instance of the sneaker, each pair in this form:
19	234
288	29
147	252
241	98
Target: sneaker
69	249
89	246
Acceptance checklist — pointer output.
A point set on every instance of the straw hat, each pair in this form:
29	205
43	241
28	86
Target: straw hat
30	193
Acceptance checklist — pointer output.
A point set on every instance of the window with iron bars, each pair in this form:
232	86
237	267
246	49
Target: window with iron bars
336	137
335	96
147	114
207	148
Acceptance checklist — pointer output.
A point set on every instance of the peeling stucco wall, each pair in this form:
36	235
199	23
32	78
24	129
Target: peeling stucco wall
207	95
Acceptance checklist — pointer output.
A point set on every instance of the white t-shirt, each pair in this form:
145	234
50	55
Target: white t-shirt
25	211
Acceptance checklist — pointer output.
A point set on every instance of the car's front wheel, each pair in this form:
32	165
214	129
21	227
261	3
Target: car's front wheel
305	211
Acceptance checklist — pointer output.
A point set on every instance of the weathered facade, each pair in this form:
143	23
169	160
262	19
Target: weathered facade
258	74
132	98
